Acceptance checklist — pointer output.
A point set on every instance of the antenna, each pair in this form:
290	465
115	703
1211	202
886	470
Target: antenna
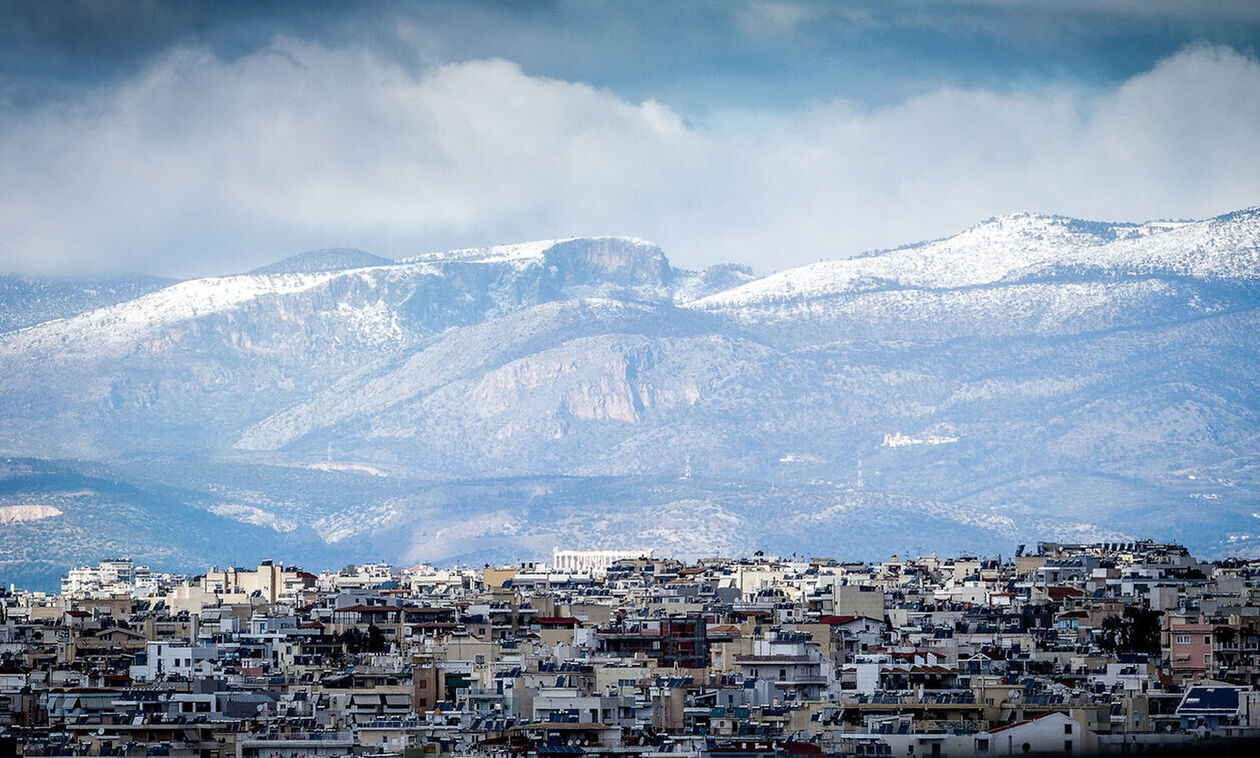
859	470
687	469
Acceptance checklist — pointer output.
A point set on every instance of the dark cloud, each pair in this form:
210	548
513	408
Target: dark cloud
697	56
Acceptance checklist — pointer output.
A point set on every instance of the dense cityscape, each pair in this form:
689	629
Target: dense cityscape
1067	649
652	379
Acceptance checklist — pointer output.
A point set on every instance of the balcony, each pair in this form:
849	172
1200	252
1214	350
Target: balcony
801	681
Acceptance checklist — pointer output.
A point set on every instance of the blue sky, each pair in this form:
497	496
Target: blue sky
187	138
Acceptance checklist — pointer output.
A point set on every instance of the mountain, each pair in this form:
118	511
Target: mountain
1034	377
329	259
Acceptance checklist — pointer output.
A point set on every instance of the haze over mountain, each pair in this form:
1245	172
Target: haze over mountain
328	259
1033	377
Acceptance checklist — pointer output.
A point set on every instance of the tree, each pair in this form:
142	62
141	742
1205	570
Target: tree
354	641
375	640
1136	632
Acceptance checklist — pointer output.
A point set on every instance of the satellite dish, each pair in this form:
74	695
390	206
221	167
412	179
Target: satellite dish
1013	694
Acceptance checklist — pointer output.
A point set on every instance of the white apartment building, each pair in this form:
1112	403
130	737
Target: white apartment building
593	562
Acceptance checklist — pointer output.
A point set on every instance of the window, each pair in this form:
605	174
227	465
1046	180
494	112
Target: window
1207	658
1067	746
982	745
1207	639
1067	728
1183	639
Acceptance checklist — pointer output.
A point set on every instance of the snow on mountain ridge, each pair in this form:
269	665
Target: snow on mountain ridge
516	251
117	328
125	323
1004	250
1009	248
1225	247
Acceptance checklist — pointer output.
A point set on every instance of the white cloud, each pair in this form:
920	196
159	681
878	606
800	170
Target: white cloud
204	165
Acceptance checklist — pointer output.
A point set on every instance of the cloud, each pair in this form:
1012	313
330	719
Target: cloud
775	17
201	164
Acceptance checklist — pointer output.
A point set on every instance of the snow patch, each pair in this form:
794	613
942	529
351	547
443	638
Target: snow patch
11	514
248	514
897	439
354	468
800	458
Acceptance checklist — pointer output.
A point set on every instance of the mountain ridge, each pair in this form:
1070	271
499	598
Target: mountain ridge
935	264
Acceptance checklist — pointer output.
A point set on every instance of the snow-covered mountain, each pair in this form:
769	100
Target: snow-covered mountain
1037	377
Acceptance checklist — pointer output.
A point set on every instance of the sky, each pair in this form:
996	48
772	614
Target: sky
185	138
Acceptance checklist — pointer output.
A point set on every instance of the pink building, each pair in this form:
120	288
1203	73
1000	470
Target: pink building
1188	640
